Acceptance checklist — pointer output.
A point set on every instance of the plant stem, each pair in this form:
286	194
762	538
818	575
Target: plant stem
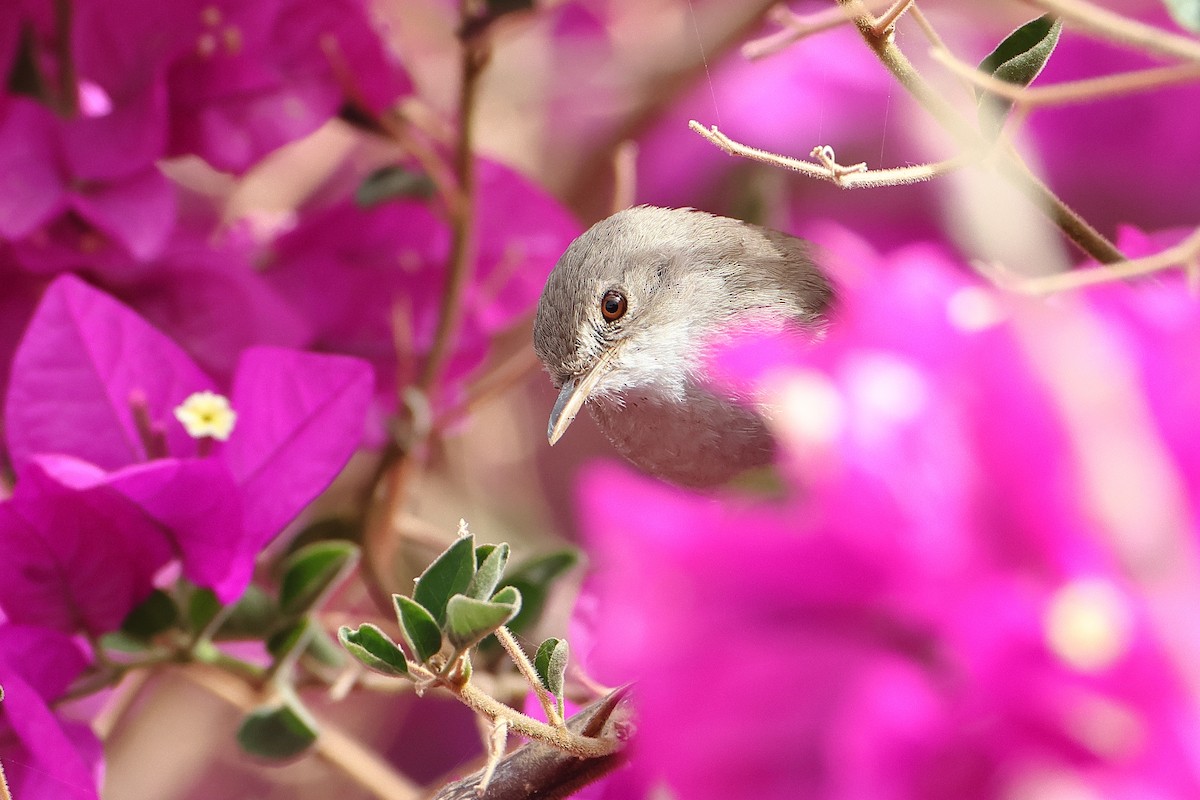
475	56
1101	22
1087	238
1184	254
560	738
347	755
517	654
397	464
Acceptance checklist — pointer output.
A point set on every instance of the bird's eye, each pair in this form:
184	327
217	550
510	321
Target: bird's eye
613	305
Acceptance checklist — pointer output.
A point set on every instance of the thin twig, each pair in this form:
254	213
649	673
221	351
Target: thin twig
474	59
794	28
561	738
512	371
525	667
596	169
1068	92
1097	21
827	169
888	18
624	175
1087	238
361	764
1183	254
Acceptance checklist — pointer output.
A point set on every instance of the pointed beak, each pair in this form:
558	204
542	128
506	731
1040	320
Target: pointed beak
573	395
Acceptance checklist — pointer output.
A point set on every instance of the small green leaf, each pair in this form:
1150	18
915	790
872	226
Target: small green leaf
254	616
509	596
488	576
448	575
312	571
202	608
1186	13
393	183
420	629
288	638
152	616
1024	52
1017	60
481	554
550	662
324	650
469	620
374	648
278	731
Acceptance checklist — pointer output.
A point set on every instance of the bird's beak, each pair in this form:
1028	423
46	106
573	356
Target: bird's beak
573	395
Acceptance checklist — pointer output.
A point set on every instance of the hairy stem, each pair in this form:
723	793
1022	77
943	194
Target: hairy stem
1087	238
517	654
1101	22
559	738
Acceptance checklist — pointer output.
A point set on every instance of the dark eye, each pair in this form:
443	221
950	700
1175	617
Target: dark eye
613	305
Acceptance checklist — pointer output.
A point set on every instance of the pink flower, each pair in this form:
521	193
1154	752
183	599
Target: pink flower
93	427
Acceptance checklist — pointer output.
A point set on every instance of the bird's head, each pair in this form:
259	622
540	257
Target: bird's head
632	302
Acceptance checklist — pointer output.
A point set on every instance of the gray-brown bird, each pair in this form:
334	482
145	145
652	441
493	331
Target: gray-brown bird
629	313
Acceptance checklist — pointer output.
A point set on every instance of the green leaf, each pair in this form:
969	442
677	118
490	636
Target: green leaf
488	576
202	607
312	571
288	638
482	552
254	616
278	731
1017	60
1024	52
469	620
152	616
420	629
550	662
393	183
533	578
1186	13
509	596
324	650
374	648
448	575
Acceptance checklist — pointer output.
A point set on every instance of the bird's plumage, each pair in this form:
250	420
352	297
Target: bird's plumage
691	279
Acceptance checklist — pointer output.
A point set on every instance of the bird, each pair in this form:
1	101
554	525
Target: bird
633	308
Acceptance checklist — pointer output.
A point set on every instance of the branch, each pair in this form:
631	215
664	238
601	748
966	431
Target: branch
826	167
1105	24
359	763
563	739
526	668
1185	255
797	27
888	18
538	770
1076	228
1068	92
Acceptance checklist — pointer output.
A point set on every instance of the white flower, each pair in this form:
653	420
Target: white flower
207	414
